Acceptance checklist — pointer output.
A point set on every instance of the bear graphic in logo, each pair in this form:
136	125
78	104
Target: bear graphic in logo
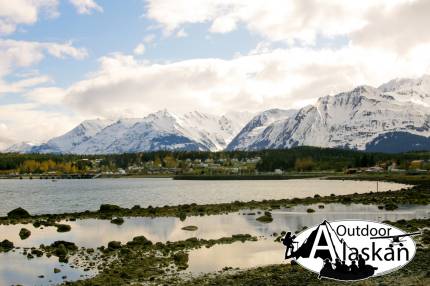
347	250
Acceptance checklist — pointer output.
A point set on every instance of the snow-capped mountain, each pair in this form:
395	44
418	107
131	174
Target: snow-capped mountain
161	130
213	131
357	119
106	138
394	117
414	90
157	131
23	147
67	142
252	131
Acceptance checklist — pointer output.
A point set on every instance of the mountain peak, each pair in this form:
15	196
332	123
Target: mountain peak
161	113
409	90
364	89
351	119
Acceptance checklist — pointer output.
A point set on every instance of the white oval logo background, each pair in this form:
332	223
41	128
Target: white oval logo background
348	234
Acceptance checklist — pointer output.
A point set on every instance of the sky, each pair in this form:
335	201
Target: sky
64	61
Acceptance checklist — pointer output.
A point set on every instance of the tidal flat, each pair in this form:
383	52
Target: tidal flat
205	244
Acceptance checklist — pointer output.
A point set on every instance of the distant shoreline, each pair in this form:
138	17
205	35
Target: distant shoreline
245	177
84	177
287	176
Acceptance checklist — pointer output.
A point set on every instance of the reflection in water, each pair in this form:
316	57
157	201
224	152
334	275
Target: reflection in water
94	233
45	196
238	254
266	251
16	269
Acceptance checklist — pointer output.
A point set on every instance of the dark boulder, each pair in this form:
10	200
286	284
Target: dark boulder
37	252
140	241
390	206
24	233
107	208
18	213
6	245
265	219
112	245
68	245
117	220
63	227
61	249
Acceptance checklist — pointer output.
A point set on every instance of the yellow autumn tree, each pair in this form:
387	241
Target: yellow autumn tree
157	162
48	165
304	164
169	161
30	166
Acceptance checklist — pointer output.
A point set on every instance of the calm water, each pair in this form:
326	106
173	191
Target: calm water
15	268
97	232
46	196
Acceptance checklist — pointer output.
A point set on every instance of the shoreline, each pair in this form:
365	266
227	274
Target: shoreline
138	260
418	194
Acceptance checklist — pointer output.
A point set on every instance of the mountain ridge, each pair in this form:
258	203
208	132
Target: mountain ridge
354	119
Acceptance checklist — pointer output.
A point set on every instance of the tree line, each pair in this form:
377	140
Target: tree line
298	158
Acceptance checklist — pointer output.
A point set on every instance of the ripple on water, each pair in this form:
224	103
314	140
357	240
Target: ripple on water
45	196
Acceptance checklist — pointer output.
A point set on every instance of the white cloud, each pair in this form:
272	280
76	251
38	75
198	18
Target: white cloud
181	33
26	53
46	95
21	85
21	122
140	49
64	50
18	54
224	24
124	86
374	22
86	6
149	38
400	28
382	40
33	121
16	12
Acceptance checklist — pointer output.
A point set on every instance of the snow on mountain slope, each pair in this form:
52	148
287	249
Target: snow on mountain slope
213	131
65	143
414	90
256	126
22	147
346	120
357	119
157	131
106	138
